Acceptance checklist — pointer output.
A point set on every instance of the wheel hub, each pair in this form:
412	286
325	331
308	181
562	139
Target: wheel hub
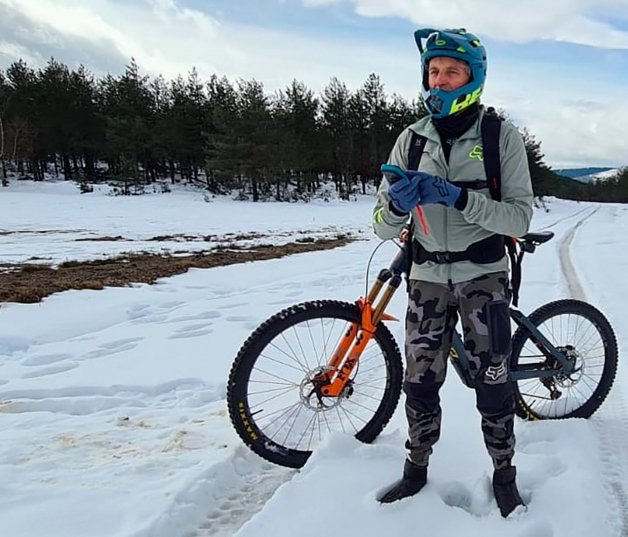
311	390
575	359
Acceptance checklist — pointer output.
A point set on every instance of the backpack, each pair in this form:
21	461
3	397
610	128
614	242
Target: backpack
490	129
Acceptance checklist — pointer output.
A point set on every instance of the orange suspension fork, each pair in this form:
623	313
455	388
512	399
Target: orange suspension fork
351	346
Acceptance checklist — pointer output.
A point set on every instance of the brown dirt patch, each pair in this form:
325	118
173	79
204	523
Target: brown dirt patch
31	283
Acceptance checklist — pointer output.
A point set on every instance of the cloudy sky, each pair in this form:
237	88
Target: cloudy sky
558	67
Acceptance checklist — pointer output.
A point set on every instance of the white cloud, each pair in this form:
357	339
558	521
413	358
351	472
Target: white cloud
15	50
166	38
162	37
320	3
519	22
578	133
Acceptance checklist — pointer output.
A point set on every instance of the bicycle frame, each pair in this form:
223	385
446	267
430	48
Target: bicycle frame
334	378
460	360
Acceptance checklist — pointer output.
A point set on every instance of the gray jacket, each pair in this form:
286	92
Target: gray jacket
451	230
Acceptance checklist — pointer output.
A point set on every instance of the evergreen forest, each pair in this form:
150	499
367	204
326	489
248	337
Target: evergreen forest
134	131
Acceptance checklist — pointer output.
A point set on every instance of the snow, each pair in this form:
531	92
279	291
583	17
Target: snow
113	407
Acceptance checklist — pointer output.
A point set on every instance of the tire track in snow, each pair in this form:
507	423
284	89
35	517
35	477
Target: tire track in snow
568	270
568	217
242	503
611	419
224	498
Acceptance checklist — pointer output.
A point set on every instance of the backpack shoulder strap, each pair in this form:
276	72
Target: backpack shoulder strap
417	144
491	127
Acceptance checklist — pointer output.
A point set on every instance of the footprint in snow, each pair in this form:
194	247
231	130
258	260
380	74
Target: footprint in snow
52	370
235	305
45	359
194	330
112	347
214	314
537	529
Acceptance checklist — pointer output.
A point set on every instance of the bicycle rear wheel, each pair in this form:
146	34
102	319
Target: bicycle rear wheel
585	337
270	394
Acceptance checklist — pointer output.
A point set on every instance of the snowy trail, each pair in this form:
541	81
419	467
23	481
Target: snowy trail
611	420
569	272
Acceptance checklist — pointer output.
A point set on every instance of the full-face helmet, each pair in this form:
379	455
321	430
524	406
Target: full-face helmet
458	44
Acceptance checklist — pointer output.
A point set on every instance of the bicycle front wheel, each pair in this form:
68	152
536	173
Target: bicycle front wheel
271	396
585	338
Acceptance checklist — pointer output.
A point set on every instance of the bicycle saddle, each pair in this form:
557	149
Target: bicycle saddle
538	238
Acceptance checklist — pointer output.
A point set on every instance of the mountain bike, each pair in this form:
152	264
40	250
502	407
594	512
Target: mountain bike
326	365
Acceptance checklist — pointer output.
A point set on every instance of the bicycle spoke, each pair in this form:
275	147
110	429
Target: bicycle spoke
296	333
354	415
363	371
266	415
292	357
342	425
293	422
536	396
276	376
305	430
273	383
262	355
326	421
354	402
271	390
290	410
294	354
320	435
272	397
362	394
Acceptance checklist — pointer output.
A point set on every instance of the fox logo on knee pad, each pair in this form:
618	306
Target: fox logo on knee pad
496	371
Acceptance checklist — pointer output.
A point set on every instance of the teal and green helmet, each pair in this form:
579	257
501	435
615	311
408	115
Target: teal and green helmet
458	44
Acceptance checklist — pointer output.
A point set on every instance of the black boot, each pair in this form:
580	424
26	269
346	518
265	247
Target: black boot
505	490
413	480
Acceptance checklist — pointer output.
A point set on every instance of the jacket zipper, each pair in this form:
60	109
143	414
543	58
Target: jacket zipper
445	218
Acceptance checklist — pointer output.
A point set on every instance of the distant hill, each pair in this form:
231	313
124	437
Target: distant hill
574	173
588	175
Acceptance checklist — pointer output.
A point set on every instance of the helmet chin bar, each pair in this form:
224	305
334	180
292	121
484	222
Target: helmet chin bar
434	104
441	103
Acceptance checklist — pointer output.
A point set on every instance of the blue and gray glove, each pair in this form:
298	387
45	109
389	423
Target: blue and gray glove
437	190
404	188
410	188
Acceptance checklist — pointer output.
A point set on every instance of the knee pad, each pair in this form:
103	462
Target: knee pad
495	399
499	331
422	396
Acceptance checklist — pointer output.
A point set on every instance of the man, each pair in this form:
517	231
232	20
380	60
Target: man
459	264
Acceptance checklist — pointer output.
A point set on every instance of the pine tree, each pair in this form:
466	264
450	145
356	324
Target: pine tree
128	107
19	128
296	134
335	124
221	134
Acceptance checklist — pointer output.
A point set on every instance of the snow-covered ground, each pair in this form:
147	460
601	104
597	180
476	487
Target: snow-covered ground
112	402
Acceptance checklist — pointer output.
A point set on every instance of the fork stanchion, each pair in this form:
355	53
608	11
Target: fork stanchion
383	276
393	285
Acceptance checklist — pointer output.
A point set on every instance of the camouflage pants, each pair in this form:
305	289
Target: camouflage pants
433	310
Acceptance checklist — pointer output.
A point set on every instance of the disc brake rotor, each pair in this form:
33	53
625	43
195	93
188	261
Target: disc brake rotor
310	390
